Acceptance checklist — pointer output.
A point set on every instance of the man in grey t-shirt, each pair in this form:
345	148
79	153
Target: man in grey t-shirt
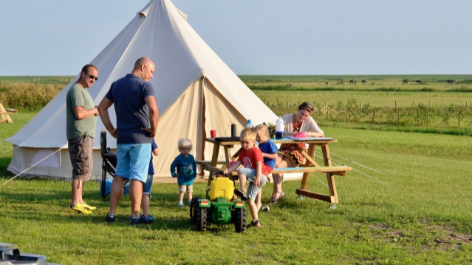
81	121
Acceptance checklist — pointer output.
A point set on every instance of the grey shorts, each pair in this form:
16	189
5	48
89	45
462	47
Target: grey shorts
186	188
250	174
81	157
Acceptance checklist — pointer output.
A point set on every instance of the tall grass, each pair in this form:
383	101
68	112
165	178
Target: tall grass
27	96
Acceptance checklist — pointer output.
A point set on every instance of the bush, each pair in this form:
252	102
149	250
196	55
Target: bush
28	96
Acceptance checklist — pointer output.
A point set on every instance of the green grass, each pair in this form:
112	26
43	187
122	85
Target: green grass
413	209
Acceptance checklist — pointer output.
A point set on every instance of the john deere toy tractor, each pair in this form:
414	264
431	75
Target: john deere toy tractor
219	207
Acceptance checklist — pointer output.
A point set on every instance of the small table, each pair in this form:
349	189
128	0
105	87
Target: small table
310	166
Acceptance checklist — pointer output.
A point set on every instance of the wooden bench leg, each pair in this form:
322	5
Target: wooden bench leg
332	188
306	176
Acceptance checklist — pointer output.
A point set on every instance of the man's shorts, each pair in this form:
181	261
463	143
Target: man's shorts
148	185
186	188
250	174
81	157
133	161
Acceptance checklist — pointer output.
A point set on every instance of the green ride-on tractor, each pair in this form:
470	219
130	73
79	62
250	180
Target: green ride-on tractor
219	207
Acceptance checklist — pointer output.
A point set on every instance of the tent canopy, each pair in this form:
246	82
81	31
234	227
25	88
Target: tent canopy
195	92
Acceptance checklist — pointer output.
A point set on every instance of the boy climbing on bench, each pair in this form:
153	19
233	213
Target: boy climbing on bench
254	170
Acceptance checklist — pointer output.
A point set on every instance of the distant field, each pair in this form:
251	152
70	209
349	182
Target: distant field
37	79
370	83
428	103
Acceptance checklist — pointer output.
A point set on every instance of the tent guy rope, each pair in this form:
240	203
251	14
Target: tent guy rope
29	167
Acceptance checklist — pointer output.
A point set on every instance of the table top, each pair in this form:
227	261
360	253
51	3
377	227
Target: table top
308	140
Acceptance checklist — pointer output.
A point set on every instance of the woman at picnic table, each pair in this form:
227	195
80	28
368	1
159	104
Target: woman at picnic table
288	154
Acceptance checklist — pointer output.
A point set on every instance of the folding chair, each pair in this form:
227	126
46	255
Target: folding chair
109	161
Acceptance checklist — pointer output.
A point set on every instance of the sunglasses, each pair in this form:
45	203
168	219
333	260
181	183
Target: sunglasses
92	76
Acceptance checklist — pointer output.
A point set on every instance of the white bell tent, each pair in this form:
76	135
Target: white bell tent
195	91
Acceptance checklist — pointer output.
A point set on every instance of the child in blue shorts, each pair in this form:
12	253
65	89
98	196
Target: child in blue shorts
186	170
146	217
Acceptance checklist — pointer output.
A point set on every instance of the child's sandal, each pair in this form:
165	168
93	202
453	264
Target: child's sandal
256	224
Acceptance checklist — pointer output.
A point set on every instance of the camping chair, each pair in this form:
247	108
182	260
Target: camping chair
109	161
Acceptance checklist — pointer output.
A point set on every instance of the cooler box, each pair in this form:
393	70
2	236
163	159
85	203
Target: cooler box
107	189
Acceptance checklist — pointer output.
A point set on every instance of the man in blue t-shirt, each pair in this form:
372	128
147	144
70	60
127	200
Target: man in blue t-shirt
136	118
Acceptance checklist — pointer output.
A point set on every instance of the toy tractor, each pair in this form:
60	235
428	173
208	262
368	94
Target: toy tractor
219	207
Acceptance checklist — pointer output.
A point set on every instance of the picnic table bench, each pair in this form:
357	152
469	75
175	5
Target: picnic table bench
310	166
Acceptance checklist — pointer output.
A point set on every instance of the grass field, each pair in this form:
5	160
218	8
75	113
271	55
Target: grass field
413	209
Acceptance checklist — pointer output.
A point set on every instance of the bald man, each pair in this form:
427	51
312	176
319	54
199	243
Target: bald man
136	117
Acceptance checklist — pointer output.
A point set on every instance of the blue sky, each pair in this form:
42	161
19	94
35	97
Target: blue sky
57	37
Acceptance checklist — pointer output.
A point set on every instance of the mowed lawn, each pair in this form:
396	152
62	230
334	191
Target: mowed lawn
409	203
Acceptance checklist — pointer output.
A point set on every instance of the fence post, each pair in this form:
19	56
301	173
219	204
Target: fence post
429	111
398	113
373	117
361	107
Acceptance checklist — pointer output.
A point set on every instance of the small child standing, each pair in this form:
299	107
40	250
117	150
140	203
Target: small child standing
254	170
146	217
186	170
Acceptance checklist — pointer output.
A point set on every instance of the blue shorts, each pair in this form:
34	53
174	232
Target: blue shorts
133	161
148	185
250	174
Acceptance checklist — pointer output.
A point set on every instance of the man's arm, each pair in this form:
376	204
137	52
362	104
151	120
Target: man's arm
103	110
80	113
153	115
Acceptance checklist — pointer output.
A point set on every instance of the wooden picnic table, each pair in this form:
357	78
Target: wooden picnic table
310	166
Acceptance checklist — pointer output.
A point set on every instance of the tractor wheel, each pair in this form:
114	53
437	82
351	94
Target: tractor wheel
194	207
240	223
201	219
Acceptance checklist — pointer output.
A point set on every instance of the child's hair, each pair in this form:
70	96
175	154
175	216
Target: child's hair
184	142
248	134
263	128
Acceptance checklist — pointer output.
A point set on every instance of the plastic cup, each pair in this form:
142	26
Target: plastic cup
213	133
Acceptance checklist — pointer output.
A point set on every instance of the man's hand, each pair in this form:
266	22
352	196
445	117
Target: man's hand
114	133
96	111
225	172
150	131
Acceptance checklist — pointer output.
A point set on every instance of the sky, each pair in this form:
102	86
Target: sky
256	37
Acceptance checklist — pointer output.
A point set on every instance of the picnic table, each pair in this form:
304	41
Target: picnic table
228	143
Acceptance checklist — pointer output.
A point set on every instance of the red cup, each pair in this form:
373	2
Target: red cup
213	133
